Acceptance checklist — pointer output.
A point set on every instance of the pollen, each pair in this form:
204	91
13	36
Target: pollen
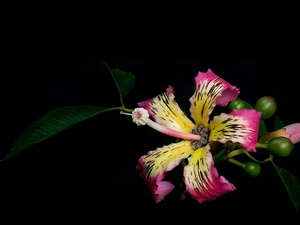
203	133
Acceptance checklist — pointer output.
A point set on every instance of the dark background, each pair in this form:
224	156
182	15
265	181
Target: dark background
90	169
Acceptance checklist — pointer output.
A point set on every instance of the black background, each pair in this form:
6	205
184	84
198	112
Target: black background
90	169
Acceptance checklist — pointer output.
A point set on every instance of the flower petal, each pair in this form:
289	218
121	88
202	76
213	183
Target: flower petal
165	111
202	179
211	90
155	164
291	132
239	126
294	131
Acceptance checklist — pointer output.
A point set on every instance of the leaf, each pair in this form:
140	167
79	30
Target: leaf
220	156
247	105
262	128
52	123
291	185
123	80
278	123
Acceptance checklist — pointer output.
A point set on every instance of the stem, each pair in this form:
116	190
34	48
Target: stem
260	145
255	160
121	101
271	160
121	108
243	151
235	153
234	161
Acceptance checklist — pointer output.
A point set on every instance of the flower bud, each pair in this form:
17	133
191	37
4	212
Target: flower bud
280	146
236	104
267	106
291	132
252	168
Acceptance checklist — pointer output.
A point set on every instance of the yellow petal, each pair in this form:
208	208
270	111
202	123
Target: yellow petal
155	164
210	91
240	126
165	111
202	179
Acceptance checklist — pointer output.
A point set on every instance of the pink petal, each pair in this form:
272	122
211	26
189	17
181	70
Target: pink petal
202	179
240	126
155	164
211	90
166	112
293	130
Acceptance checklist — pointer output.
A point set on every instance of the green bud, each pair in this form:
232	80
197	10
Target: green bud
279	146
236	104
267	106
252	168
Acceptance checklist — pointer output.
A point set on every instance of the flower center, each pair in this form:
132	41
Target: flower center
203	133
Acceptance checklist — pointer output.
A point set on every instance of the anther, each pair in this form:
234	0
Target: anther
203	133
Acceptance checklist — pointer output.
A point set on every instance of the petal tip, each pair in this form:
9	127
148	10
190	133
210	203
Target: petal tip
163	188
252	118
294	132
170	89
203	183
229	91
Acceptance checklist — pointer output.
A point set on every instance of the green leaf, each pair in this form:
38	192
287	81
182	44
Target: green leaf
278	124
123	80
52	123
220	156
291	185
247	105
262	128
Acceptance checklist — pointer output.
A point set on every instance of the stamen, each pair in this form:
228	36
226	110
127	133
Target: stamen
173	133
140	117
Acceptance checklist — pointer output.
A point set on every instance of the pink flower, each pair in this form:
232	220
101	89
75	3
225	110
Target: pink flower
200	175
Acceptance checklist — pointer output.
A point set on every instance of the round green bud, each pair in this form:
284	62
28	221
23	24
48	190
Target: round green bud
267	106
279	146
236	104
252	168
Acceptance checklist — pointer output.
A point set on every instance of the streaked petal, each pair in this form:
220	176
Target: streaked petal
239	126
155	164
202	179
165	111
211	90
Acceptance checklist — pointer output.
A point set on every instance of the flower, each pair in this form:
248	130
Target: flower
201	178
291	132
